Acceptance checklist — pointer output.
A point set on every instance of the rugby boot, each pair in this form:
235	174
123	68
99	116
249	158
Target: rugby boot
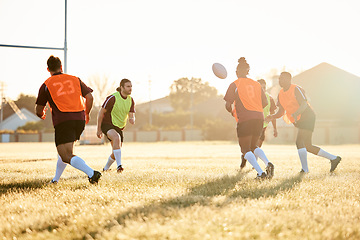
334	163
95	178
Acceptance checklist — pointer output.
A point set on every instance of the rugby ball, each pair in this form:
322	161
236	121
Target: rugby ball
219	70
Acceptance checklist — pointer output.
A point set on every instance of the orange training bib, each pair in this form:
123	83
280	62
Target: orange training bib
65	91
249	93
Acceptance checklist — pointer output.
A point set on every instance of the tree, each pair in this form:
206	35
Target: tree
102	87
183	91
32	126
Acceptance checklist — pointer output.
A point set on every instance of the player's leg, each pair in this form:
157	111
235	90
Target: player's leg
261	138
60	167
300	145
334	160
243	162
110	160
66	153
116	140
65	136
258	130
245	145
244	133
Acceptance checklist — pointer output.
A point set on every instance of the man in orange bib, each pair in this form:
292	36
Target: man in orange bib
70	101
294	107
249	99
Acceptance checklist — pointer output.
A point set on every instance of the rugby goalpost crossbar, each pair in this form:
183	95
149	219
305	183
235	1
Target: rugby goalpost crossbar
11	103
49	48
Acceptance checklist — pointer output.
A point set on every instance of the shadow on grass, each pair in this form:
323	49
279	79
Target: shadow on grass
26	186
202	195
268	191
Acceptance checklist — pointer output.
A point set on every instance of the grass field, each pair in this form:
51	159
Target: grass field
178	191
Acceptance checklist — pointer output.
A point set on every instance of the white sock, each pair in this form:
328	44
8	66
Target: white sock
117	154
109	162
259	153
327	155
60	167
80	164
252	160
303	159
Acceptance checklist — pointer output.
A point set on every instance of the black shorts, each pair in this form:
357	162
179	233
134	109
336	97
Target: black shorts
262	135
307	120
68	131
106	127
250	128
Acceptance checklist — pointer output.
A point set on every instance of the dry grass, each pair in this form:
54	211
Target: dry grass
178	191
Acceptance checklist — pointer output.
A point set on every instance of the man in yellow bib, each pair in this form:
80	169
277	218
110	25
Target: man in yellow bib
269	109
112	119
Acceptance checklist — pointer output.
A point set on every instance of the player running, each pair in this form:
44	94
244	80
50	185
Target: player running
250	100
293	103
65	95
269	109
112	118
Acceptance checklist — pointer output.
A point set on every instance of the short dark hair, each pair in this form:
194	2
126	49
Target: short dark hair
287	74
261	81
122	83
53	63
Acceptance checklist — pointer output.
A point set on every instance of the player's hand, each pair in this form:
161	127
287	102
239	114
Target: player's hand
132	120
269	118
87	118
99	134
295	117
275	132
44	113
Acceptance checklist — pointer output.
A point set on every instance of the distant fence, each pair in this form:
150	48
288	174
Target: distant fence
26	137
89	136
323	134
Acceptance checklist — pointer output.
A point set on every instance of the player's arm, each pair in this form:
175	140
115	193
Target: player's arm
264	100
88	106
132	112
272	111
230	97
132	117
99	121
277	115
40	111
228	107
303	104
41	101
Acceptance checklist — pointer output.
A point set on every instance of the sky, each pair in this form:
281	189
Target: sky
164	40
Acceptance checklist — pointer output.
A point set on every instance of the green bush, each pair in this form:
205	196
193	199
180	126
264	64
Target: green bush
32	126
218	129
